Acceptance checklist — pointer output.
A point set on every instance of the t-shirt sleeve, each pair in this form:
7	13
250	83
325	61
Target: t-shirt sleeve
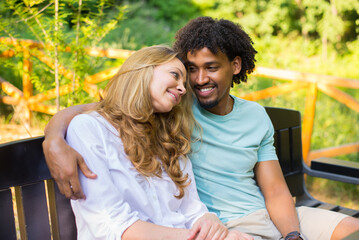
191	207
104	211
266	151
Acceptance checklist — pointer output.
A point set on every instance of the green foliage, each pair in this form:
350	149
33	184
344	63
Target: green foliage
317	36
82	24
175	12
151	22
333	21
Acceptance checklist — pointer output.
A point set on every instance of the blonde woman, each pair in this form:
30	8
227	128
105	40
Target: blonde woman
136	140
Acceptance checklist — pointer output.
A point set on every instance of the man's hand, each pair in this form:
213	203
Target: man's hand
62	161
208	227
237	235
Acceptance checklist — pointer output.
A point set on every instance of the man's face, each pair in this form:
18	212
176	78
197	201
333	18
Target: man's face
211	78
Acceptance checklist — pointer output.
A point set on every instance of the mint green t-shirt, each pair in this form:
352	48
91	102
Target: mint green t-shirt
223	161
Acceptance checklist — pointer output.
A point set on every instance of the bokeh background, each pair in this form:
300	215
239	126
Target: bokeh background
308	36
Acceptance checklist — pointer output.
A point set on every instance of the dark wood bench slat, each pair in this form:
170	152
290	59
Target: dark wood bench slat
350	212
283	152
307	202
35	209
66	218
283	118
7	220
22	163
329	206
336	166
296	148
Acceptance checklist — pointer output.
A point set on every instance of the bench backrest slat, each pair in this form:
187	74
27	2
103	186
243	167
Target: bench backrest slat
22	162
42	212
288	143
35	209
7	224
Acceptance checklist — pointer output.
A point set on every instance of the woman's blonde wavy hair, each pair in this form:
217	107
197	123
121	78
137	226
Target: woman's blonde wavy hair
149	138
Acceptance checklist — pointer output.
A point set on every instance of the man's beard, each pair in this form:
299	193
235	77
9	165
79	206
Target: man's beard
208	105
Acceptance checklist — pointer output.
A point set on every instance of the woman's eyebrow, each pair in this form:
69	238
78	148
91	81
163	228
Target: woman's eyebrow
180	71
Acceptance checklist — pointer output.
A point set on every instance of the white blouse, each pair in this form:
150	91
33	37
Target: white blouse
120	196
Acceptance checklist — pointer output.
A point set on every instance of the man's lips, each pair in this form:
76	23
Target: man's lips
205	90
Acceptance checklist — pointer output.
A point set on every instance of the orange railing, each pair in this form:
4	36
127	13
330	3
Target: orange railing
311	82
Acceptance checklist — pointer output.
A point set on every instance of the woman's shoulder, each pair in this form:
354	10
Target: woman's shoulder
92	121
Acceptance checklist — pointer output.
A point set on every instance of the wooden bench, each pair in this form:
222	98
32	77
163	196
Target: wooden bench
42	212
287	125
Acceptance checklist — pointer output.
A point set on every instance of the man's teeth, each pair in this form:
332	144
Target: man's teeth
206	89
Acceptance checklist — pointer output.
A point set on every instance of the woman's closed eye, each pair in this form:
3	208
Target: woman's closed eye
176	75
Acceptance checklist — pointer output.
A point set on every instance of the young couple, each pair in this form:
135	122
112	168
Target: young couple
138	137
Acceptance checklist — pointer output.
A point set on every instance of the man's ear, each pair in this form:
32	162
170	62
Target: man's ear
237	65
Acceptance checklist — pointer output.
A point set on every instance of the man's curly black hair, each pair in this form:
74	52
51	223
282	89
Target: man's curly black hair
217	35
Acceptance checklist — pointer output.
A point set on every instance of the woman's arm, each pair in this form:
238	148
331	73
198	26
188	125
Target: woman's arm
148	231
62	159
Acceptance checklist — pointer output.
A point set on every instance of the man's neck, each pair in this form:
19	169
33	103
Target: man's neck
224	108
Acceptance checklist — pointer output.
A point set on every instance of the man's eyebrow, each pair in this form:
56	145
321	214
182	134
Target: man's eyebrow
206	63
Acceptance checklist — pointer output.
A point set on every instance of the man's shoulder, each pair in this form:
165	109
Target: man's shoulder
247	106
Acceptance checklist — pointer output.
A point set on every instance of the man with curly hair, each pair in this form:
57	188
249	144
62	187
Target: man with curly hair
236	168
235	165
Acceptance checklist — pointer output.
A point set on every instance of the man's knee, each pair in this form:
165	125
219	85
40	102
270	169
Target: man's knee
345	227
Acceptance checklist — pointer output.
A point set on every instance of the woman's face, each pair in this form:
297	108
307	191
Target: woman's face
168	85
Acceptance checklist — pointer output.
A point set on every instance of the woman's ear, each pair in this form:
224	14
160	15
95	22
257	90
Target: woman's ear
237	65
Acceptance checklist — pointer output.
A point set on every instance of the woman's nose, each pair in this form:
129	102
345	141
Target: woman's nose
181	89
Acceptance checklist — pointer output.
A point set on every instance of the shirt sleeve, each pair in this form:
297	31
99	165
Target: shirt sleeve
104	212
192	207
266	149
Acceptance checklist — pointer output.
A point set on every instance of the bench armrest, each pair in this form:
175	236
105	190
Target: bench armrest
337	166
334	169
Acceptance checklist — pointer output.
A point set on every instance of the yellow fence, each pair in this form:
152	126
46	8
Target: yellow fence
297	80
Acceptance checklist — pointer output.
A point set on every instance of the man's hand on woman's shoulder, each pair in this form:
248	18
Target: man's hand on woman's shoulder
63	162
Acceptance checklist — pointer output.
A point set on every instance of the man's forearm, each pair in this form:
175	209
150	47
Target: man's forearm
283	213
58	124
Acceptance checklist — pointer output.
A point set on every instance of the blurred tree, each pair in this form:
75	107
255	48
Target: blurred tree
328	21
81	23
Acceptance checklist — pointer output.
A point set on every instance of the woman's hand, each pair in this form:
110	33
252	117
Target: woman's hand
208	227
237	235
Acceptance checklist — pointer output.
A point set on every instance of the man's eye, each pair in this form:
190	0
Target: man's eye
212	68
191	69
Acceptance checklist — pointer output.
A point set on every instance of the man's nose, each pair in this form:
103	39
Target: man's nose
202	77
